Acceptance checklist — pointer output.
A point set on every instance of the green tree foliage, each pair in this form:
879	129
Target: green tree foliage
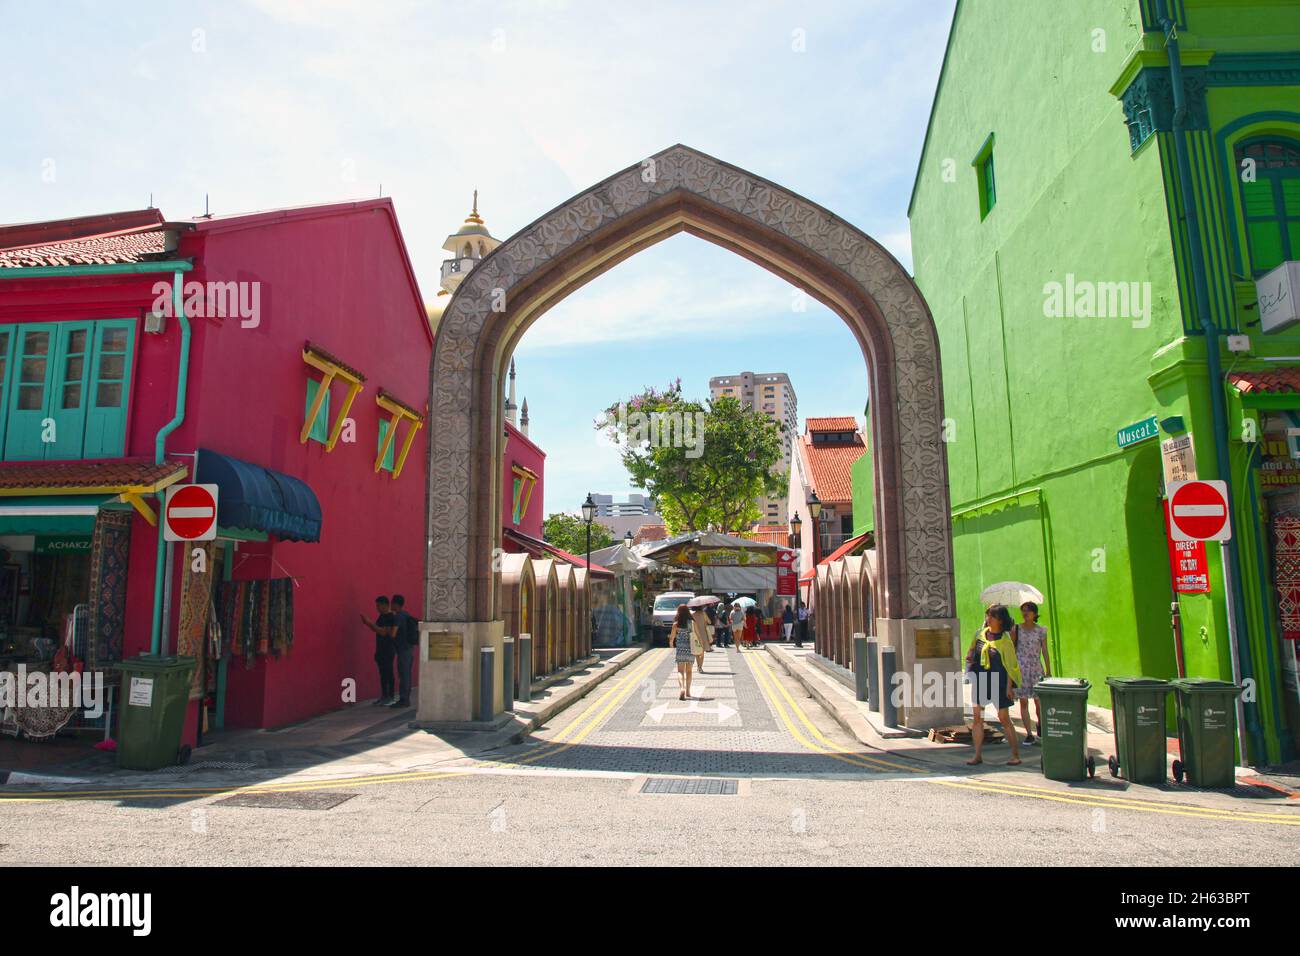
569	533
703	462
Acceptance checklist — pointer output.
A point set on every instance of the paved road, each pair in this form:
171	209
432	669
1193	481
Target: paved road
575	793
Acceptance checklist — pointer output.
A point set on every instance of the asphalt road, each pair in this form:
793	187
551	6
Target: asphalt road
573	794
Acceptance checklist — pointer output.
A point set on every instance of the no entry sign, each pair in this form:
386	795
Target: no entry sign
1198	511
190	513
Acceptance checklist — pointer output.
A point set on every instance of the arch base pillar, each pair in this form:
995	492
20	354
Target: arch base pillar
449	671
929	656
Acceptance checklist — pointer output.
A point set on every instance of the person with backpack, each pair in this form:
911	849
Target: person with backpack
384	629
407	636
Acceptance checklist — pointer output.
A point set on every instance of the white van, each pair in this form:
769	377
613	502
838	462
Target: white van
665	609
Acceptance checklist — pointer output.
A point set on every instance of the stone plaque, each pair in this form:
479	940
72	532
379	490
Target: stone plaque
446	646
933	642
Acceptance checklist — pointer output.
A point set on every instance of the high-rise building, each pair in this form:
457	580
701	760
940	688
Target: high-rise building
773	395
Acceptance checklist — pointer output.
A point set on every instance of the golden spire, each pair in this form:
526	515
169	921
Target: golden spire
474	216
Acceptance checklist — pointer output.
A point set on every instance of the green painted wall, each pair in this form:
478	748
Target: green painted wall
1040	491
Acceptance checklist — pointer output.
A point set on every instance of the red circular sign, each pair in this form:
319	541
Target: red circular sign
191	512
1199	510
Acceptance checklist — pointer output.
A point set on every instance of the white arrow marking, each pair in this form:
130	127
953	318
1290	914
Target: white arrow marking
722	711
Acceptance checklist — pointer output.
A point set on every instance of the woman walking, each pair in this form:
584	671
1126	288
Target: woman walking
1031	654
700	643
751	626
680	639
993	670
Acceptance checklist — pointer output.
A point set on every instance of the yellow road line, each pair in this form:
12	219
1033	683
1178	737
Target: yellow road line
590	718
798	711
1181	810
1104	801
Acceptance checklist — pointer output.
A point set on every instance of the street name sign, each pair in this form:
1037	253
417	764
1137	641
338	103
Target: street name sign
1138	431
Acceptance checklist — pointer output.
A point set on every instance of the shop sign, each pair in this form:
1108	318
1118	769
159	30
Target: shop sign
61	544
720	557
1179	459
1278	465
1137	432
1188	564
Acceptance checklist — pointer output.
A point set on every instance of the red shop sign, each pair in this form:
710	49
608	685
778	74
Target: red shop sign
785	573
1187	563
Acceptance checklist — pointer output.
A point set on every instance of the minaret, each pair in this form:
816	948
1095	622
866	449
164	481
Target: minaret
523	420
467	245
511	407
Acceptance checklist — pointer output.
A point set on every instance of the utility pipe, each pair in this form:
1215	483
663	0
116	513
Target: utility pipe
160	454
1214	371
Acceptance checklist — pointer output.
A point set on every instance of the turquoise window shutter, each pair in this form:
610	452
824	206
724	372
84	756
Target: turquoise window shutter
320	429
389	457
68	393
7	336
108	388
29	391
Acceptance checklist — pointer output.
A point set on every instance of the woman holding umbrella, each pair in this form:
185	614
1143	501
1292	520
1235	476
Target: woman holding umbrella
993	671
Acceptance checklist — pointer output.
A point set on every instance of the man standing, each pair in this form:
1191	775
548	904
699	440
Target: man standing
787	621
406	633
385	627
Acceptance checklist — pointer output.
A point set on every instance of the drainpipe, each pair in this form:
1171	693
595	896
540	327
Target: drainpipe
1214	371
160	454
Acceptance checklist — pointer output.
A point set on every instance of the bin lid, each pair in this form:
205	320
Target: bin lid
154	662
1077	685
1205	685
1137	683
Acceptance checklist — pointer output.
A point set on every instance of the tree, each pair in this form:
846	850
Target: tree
569	533
704	462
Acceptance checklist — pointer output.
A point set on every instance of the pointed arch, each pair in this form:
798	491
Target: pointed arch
683	190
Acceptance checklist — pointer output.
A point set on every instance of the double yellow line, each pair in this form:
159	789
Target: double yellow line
591	718
768	681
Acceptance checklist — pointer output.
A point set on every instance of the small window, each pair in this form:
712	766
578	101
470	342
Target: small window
1270	201
320	428
389	456
986	177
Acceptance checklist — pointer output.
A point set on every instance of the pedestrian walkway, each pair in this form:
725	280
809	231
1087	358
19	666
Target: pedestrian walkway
742	720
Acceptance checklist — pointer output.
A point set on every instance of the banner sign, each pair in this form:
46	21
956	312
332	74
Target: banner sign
61	544
1187	563
787	576
720	557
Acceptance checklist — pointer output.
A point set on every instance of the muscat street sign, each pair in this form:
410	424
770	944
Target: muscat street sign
1138	431
1198	511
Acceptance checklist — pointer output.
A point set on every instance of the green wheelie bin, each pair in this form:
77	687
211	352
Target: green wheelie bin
1138	707
155	696
1064	731
1207	731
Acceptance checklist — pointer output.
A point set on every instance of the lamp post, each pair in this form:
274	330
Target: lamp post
627	593
815	513
796	542
589	515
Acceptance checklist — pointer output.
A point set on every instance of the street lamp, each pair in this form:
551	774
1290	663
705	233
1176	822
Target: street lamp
815	511
796	542
628	626
589	515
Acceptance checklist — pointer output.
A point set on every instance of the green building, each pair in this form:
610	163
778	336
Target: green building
1078	307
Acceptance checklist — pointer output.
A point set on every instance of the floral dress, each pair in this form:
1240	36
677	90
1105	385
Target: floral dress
682	642
1029	654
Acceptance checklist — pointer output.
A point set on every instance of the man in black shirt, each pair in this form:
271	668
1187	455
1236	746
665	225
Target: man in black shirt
385	627
406	634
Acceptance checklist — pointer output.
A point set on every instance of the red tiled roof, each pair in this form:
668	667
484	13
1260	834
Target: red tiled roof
73	475
109	248
652	532
842	423
23	234
1286	379
777	534
829	468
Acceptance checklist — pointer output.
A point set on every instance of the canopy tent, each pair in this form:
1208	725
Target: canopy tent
711	549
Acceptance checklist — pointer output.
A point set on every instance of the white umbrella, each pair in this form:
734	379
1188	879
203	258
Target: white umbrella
1010	593
745	602
703	601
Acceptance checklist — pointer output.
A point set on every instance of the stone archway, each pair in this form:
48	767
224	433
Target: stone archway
681	189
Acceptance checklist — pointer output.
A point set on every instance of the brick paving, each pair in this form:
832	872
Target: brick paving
730	729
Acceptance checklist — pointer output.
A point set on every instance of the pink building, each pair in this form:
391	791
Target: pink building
296	382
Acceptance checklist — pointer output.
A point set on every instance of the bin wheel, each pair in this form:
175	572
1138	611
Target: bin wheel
184	756
1092	767
1113	763
1178	771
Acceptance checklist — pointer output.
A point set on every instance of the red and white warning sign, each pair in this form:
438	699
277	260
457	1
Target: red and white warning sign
1198	511
190	513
